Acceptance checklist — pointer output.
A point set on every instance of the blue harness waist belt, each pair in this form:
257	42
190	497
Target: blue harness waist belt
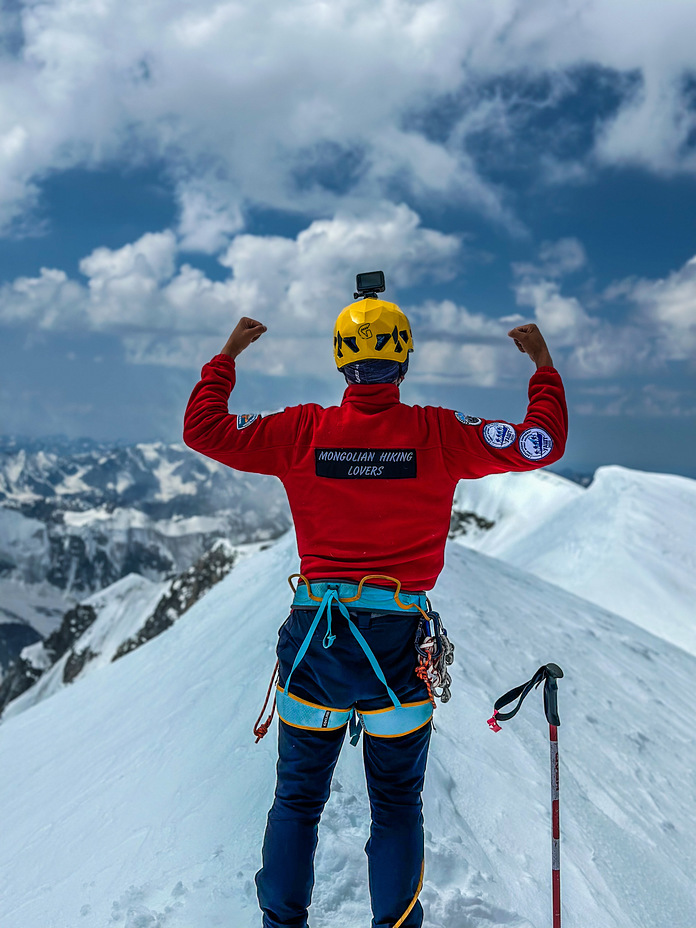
371	598
390	722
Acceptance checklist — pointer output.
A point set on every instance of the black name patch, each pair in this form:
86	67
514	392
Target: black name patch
365	463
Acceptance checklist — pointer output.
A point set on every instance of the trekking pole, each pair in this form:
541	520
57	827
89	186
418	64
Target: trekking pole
549	673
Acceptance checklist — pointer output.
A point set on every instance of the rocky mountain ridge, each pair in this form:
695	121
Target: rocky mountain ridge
94	630
75	517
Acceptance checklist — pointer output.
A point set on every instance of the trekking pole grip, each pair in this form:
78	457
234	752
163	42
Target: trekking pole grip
552	673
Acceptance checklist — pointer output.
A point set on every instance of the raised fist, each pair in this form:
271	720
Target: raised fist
245	332
529	340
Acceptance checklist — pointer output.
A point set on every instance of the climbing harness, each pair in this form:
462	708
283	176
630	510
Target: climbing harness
434	653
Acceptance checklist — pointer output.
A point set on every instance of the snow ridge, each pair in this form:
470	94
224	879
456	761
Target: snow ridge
625	543
136	798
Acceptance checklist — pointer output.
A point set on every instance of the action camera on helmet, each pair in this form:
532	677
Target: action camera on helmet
369	285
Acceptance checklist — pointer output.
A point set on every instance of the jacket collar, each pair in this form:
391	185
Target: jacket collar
371	395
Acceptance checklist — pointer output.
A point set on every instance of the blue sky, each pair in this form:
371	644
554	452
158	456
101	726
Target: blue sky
165	169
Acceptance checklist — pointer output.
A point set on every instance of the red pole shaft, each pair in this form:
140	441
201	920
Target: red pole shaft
555	830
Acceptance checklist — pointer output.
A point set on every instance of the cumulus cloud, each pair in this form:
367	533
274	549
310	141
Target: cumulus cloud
658	326
208	220
168	312
588	346
666	310
477	365
296	286
562	318
310	105
447	320
556	259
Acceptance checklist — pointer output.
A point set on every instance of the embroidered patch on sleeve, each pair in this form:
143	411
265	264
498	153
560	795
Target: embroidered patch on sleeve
247	419
535	444
499	434
467	420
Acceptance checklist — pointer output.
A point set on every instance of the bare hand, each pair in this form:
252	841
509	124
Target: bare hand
245	332
529	340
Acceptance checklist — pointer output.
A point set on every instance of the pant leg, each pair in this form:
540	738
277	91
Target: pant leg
306	761
395	772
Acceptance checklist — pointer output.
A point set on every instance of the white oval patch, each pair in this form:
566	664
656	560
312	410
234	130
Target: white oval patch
499	434
468	420
535	444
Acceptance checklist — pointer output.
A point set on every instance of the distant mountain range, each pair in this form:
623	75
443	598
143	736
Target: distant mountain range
110	624
78	516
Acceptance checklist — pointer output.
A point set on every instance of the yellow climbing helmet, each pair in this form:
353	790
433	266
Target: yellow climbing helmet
371	328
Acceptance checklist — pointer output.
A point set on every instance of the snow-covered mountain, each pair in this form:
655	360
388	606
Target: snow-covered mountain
136	797
109	624
42	480
627	542
76	517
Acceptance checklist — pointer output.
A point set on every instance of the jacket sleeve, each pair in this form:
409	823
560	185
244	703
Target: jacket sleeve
261	443
475	447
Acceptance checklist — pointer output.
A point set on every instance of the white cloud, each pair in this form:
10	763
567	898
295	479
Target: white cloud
169	313
659	326
296	286
561	317
50	300
472	364
295	280
448	320
207	221
654	127
235	99
667	311
586	346
562	257
556	259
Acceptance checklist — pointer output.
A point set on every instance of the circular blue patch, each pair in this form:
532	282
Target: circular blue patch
499	434
535	444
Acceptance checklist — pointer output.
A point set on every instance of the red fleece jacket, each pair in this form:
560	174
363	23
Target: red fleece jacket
370	482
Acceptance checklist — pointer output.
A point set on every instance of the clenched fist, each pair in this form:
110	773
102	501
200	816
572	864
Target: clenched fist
245	332
529	340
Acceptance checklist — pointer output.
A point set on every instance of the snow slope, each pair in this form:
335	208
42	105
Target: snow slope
136	798
122	608
627	542
516	503
122	611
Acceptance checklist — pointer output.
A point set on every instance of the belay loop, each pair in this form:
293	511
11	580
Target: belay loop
435	653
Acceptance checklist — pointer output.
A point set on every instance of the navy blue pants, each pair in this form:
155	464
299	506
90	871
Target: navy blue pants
341	676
